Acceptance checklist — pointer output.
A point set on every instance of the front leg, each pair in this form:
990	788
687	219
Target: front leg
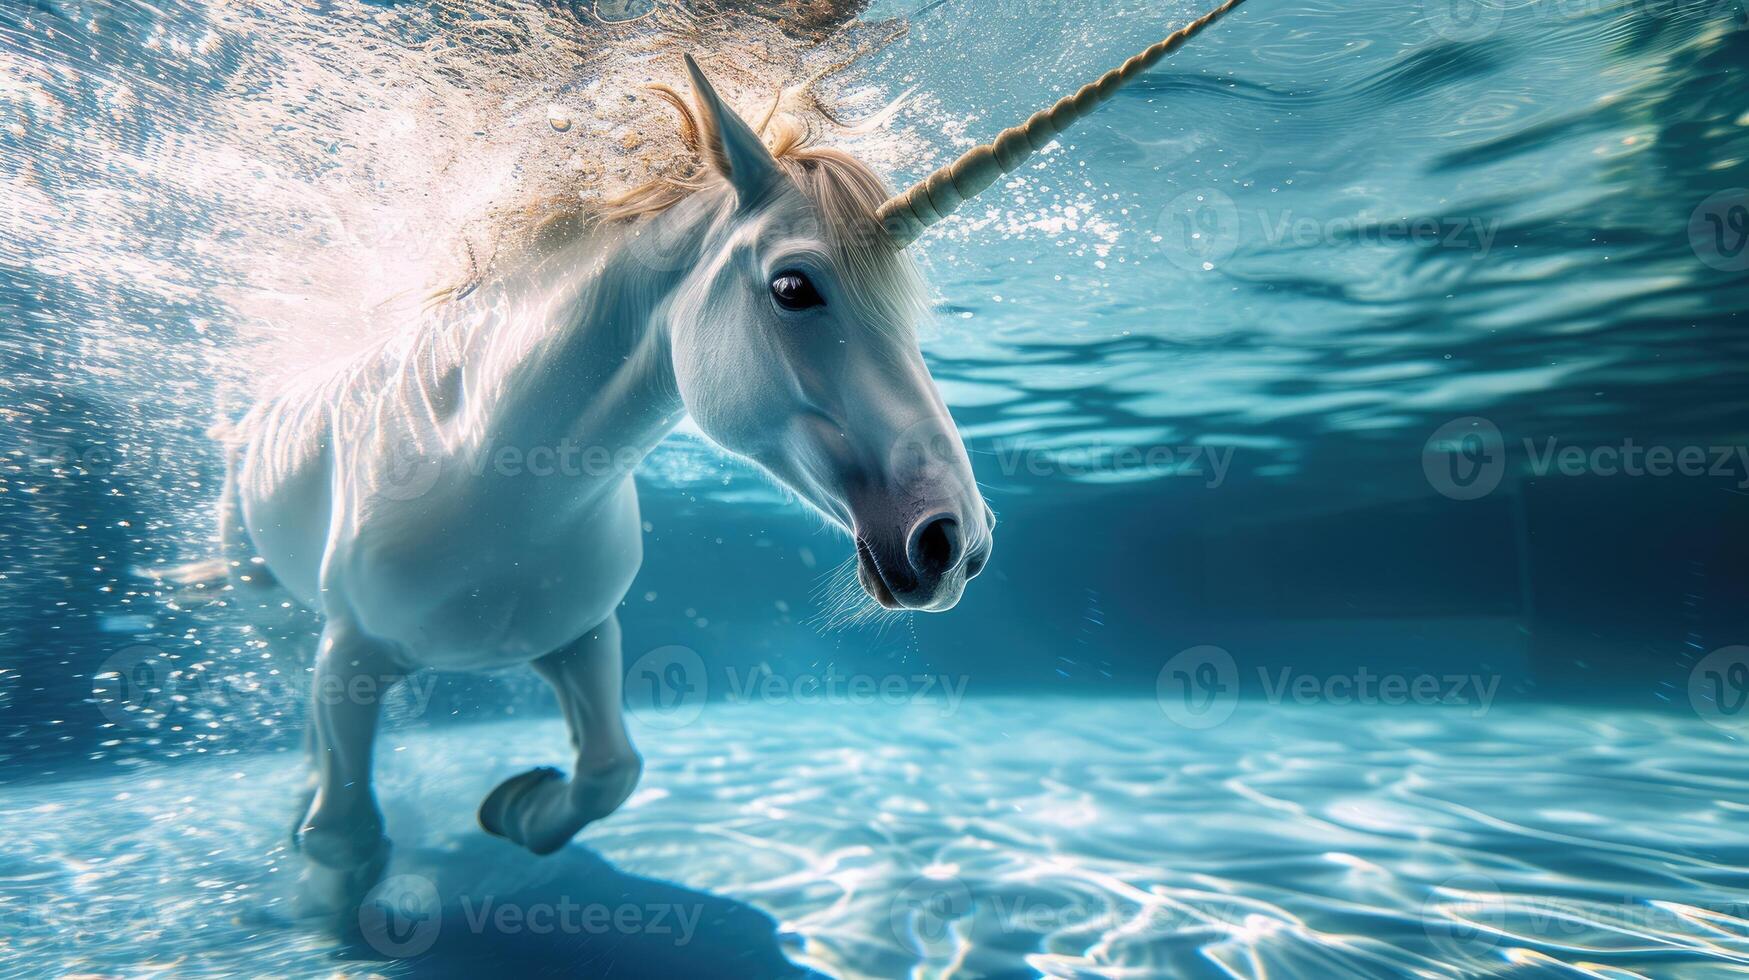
342	834
541	809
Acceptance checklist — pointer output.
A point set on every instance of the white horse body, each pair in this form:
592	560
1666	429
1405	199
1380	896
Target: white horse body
772	300
462	497
382	493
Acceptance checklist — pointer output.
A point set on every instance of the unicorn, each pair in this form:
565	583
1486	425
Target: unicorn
770	297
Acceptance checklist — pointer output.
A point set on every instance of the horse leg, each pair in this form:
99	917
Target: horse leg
307	795
342	835
541	809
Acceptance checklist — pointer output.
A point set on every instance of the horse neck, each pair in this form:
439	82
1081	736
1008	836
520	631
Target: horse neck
582	359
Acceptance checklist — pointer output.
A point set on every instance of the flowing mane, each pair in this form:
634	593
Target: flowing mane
846	196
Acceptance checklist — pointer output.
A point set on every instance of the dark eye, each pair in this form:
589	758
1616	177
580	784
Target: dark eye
793	291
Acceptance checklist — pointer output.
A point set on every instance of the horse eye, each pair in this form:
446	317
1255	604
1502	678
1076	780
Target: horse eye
793	291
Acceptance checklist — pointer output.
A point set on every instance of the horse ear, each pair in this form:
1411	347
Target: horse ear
730	144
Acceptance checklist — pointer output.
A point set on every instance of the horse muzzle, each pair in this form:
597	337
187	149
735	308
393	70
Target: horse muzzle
928	567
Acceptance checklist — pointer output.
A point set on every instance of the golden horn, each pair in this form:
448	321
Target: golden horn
938	195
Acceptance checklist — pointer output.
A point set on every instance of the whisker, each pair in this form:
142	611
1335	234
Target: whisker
844	604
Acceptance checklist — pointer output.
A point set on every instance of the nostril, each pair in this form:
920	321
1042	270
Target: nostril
935	546
975	564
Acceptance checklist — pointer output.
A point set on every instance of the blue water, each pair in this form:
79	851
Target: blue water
1305	651
995	837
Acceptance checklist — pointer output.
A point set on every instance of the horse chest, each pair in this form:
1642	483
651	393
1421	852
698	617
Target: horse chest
483	585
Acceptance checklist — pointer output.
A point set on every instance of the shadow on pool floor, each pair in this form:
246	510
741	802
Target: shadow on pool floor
455	913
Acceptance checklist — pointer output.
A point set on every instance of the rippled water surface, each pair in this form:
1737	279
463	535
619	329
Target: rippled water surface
1310	234
995	837
1303	243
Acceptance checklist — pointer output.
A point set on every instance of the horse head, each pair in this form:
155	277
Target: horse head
793	337
793	345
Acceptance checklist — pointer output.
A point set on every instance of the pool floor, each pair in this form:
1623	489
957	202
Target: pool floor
1000	837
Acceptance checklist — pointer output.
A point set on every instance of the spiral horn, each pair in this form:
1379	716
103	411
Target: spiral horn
935	197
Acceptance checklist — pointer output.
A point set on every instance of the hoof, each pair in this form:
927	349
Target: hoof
498	810
542	811
342	849
330	891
